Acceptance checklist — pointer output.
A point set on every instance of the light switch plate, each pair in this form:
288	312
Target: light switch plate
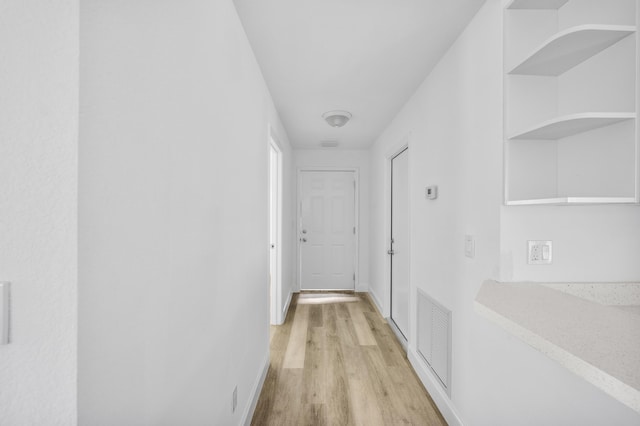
469	246
539	252
4	312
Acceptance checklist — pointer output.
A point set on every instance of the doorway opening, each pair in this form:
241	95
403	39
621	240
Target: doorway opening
275	236
399	244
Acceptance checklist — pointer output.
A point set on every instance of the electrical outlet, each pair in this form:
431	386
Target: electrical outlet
235	399
539	252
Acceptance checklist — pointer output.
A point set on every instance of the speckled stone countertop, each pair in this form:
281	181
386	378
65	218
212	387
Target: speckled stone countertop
593	329
618	294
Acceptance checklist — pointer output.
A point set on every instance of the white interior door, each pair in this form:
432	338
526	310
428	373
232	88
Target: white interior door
327	230
399	250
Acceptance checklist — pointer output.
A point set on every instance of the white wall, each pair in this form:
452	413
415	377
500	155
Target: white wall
173	210
38	218
356	159
454	128
590	243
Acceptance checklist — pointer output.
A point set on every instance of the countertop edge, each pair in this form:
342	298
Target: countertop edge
611	385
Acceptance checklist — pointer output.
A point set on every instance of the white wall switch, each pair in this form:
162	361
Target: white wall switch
539	252
4	312
431	192
469	246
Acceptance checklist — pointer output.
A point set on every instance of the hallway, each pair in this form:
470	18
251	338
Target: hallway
335	361
157	218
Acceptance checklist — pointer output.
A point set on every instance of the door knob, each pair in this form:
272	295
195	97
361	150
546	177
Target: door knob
304	231
304	240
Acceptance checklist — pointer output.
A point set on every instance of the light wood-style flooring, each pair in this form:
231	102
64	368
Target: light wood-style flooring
335	361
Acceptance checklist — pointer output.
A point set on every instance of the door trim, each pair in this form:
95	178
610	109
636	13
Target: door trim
356	196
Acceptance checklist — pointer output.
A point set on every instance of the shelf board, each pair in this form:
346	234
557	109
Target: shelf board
536	4
573	124
566	201
569	48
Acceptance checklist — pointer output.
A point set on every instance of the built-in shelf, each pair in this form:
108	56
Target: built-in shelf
537	4
569	103
569	48
572	201
573	124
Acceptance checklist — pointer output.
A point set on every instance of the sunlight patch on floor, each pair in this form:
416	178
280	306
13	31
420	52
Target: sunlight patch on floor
324	298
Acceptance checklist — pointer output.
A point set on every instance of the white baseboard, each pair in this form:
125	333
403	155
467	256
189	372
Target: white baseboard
285	310
247	416
445	405
399	336
362	287
376	302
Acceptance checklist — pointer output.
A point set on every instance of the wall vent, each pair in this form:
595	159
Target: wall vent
434	338
329	143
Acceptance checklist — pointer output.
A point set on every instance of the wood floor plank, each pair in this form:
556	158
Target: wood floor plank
330	317
338	404
345	327
392	404
313	415
348	341
267	397
367	305
321	373
342	311
315	367
365	408
417	400
386	341
294	356
315	316
286	407
365	336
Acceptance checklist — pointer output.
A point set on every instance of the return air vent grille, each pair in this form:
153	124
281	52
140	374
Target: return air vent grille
434	338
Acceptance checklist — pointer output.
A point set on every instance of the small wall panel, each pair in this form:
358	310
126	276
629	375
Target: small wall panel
434	338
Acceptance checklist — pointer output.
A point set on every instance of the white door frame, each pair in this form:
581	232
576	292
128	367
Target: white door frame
356	175
275	296
389	155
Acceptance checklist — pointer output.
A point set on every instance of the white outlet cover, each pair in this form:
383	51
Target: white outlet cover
539	252
4	312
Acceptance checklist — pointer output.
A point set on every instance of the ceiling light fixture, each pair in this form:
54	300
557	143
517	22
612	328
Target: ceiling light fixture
337	118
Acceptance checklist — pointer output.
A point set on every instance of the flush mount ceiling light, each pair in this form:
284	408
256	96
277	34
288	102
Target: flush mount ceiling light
337	118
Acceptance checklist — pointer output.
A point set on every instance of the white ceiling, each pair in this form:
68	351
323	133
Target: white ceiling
364	56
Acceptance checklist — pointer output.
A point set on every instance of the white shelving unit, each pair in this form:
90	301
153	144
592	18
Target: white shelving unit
573	201
569	48
571	96
536	4
572	124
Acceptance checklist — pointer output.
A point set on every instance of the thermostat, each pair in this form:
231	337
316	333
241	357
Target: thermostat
431	192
